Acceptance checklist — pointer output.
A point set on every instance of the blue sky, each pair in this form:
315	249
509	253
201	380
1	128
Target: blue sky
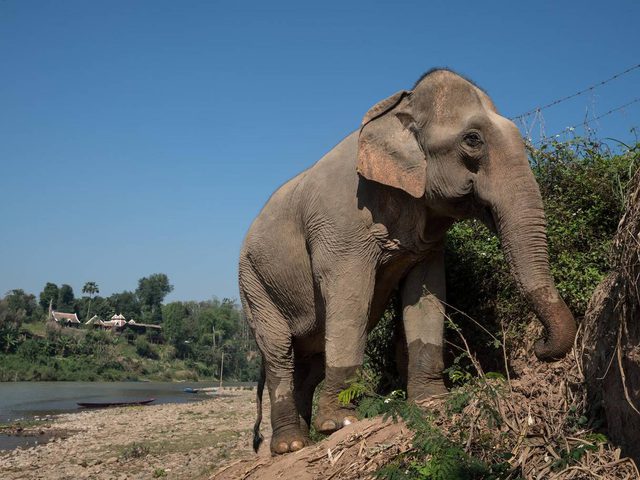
144	136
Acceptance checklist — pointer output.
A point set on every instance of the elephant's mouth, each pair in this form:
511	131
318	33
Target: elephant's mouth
487	218
470	206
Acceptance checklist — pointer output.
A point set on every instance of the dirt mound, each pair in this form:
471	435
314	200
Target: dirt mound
612	336
356	451
535	420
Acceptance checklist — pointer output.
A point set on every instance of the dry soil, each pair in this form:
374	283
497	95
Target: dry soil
173	441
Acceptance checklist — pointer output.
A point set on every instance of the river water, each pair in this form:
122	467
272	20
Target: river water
29	400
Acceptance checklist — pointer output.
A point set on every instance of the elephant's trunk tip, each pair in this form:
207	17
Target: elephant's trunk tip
551	350
559	324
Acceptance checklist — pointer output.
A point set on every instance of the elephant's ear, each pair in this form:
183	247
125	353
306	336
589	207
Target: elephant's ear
388	150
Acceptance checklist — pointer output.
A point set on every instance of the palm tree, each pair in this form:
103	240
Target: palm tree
90	288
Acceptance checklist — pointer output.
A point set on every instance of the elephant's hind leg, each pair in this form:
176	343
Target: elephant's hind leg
273	337
288	432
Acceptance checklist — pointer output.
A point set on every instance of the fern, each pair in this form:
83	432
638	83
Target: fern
353	392
433	455
361	386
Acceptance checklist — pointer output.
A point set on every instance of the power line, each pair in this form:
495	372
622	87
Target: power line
581	92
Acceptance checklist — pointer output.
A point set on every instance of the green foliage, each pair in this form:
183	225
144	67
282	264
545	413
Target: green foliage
583	186
174	325
22	304
66	299
151	292
49	295
53	352
380	353
145	349
90	288
360	386
10	326
125	303
433	456
204	331
572	456
31	349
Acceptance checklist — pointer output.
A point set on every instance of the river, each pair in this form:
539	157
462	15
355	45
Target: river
30	400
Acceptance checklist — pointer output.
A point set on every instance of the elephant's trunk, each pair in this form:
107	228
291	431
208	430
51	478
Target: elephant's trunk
519	218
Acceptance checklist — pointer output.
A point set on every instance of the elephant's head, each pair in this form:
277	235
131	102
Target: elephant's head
445	142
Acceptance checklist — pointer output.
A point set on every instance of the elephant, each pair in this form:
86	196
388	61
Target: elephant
322	258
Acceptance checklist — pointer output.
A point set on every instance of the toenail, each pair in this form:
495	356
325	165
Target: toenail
282	448
349	420
296	445
328	425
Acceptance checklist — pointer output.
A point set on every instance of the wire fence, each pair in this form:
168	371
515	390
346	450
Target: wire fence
531	119
577	94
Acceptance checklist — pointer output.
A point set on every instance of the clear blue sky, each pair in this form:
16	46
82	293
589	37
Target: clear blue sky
144	136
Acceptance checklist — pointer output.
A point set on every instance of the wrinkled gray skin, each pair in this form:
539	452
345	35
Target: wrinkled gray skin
322	258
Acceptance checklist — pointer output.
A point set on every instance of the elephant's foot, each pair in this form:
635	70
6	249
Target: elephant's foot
328	421
288	440
427	389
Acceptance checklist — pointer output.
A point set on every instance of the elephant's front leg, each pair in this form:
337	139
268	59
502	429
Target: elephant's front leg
423	294
347	295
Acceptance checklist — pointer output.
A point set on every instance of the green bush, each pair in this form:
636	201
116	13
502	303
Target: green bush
32	349
144	349
583	185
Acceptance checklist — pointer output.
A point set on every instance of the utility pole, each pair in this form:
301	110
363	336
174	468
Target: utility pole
221	367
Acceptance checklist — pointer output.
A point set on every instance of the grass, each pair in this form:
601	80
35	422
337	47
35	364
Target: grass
182	444
37	329
134	450
29	424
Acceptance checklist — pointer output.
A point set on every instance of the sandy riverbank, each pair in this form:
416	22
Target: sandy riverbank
171	441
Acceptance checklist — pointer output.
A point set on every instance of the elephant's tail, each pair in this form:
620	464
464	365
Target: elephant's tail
257	436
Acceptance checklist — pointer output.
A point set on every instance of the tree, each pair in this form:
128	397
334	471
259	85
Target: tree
19	301
102	307
125	303
49	296
10	322
90	288
151	292
174	315
66	299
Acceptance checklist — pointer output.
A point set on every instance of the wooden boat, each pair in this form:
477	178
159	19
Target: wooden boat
115	404
201	390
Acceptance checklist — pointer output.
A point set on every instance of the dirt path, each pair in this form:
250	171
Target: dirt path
172	441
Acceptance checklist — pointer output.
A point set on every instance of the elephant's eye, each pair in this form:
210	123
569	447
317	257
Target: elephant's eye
472	139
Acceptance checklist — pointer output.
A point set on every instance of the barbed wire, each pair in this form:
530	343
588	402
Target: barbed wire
581	92
587	122
613	110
